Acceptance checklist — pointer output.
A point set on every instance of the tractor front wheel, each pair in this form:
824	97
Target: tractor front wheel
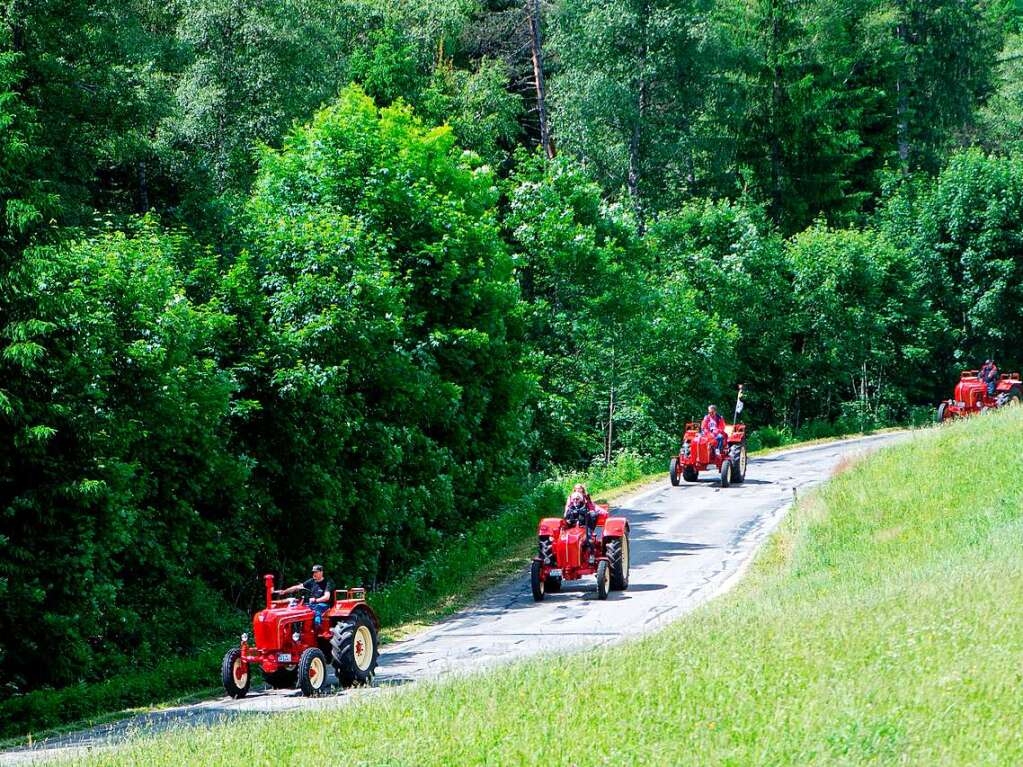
618	556
536	580
312	671
689	474
673	472
603	579
940	416
282	679
353	649
726	472
234	672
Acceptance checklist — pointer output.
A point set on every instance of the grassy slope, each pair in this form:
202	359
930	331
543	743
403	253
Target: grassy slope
881	624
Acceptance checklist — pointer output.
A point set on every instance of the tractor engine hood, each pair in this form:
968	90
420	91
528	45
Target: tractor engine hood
268	625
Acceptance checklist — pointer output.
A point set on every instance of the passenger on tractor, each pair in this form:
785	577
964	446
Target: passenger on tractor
580	488
321	593
580	510
714	425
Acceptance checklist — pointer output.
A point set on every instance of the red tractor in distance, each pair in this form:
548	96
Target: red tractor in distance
971	396
290	649
563	555
699	452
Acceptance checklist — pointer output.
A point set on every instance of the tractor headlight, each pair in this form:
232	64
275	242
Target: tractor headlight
245	637
295	637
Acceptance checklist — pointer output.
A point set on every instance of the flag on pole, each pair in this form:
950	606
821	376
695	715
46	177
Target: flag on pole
739	403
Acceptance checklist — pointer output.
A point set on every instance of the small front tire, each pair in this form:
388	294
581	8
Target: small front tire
726	472
940	416
536	580
312	672
673	472
603	579
234	672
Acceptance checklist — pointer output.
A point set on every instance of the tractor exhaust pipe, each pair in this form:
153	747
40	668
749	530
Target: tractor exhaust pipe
268	581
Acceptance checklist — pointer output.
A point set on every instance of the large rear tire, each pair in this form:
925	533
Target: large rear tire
312	671
603	579
673	472
536	581
234	673
282	679
354	649
1014	397
739	459
618	556
726	472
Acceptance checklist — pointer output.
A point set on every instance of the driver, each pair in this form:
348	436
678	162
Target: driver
714	425
321	593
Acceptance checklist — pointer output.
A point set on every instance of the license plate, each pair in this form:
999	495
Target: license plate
284	657
555	573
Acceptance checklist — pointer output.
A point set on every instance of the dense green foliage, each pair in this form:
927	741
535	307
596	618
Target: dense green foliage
855	640
253	316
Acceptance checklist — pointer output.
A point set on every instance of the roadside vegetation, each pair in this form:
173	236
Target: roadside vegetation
879	625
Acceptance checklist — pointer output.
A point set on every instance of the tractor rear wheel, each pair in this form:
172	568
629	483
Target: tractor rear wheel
726	472
282	679
312	671
618	556
673	472
939	417
738	456
354	649
689	474
234	672
536	581
1014	396
603	579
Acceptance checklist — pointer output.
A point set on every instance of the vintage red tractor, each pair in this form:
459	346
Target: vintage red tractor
290	649
971	396
699	452
564	555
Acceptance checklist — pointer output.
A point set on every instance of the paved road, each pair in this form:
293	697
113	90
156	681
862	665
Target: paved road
689	543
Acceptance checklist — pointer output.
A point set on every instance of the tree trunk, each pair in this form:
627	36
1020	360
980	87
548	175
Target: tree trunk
143	187
536	43
635	175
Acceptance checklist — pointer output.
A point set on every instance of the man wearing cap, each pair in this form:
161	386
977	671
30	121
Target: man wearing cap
714	425
321	593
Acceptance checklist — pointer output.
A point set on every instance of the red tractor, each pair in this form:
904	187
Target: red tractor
289	648
971	396
565	556
699	452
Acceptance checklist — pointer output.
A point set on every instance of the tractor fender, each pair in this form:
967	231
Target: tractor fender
345	608
616	527
550	526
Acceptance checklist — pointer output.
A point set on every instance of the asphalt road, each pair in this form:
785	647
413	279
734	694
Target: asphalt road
689	543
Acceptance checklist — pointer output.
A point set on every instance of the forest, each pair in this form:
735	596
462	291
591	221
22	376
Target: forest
287	281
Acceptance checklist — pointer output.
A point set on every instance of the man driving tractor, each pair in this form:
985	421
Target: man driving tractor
714	425
321	593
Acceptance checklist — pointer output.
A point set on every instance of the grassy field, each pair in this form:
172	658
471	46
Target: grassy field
880	625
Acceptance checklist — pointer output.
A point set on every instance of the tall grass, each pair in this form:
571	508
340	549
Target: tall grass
881	625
